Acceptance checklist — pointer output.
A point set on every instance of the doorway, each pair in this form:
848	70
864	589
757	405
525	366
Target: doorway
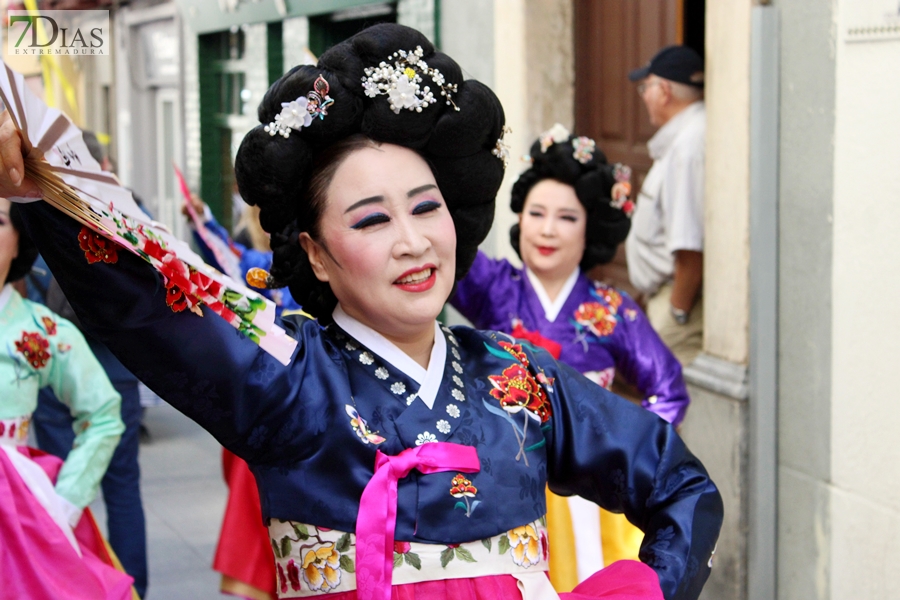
613	37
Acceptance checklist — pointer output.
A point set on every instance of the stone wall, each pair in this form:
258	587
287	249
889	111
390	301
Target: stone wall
806	174
864	488
716	431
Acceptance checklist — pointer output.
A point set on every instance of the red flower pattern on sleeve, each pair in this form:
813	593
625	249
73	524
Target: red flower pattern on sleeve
96	247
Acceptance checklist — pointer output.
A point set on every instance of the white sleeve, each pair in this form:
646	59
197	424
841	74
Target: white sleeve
682	198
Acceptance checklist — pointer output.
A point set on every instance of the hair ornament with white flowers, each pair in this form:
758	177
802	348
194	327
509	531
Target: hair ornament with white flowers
400	82
299	113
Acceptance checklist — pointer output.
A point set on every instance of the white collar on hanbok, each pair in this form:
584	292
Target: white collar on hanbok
552	308
5	294
429	380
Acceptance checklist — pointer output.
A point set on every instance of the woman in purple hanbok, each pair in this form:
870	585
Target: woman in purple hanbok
573	213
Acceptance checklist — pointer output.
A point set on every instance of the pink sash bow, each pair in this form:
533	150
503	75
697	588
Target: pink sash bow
377	518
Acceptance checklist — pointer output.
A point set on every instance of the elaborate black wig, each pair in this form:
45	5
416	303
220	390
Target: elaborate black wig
275	173
593	180
28	252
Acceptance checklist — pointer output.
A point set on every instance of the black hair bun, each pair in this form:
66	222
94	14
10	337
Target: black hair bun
576	161
455	130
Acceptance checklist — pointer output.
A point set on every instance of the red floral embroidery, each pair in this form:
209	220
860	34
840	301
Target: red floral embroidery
516	351
612	297
293	575
597	318
176	299
517	390
281	579
402	547
462	487
49	325
34	347
545	545
2	427
173	268
96	247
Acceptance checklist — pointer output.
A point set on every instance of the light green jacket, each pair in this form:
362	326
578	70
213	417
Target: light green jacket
38	348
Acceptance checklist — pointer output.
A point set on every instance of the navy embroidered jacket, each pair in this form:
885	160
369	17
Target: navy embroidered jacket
309	431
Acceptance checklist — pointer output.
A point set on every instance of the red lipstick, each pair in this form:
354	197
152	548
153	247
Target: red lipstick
418	284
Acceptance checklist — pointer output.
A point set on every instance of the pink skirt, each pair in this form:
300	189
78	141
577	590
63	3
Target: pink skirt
622	580
36	558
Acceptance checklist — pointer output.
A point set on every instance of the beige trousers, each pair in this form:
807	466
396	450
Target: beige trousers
685	341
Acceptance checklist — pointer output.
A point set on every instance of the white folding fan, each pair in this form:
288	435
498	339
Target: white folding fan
58	161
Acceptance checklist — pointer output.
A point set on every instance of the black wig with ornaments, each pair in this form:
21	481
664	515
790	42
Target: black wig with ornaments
592	180
274	172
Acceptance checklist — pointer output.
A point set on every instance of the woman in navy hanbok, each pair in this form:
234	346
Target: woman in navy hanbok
394	457
573	213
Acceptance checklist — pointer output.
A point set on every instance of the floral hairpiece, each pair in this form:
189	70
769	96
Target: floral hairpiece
584	149
622	189
400	82
555	135
301	112
501	150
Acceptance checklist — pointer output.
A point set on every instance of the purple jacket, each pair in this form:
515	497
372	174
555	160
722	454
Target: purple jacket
599	328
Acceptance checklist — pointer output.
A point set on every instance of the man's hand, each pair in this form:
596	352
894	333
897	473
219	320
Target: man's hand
687	279
12	165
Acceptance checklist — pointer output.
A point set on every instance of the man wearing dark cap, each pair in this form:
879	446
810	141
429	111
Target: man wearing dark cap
665	245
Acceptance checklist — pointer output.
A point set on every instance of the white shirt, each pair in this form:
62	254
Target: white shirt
669	211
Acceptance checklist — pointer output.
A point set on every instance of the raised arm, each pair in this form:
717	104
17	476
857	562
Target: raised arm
647	363
201	365
627	460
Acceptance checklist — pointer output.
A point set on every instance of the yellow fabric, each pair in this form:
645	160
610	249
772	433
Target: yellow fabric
563	566
621	540
50	68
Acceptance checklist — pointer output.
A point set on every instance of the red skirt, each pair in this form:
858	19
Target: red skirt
244	554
